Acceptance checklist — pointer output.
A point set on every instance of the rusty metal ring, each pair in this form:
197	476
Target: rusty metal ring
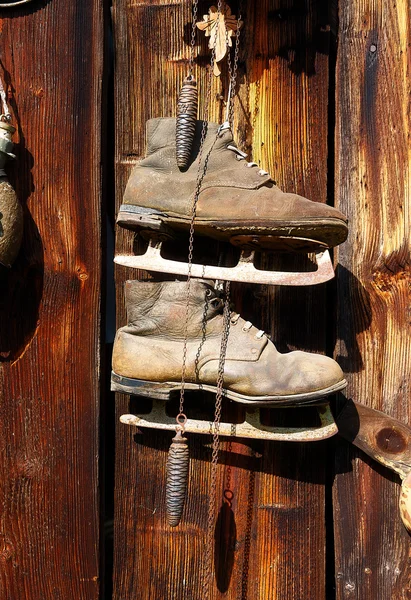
181	419
11	4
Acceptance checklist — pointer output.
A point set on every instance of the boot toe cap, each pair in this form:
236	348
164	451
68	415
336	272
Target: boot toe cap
312	372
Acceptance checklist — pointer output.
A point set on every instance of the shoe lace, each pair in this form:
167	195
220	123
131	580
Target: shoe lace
240	155
218	304
247	325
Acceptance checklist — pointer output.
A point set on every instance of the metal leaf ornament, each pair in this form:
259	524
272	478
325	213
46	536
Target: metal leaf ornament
220	28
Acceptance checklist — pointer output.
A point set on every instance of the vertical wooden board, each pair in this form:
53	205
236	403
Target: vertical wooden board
274	546
50	306
374	343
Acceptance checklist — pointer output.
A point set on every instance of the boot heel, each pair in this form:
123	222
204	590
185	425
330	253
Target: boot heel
147	219
137	387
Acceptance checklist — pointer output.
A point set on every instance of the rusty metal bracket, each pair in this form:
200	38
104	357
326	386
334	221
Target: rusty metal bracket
251	427
386	440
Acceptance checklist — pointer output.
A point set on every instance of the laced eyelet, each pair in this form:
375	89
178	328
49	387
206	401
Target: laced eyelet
208	293
234	320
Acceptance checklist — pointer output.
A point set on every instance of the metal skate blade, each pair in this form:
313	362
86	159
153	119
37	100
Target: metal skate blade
244	271
278	243
251	428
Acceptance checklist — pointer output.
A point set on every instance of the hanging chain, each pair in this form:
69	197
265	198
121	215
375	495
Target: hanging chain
216	445
193	38
233	69
220	376
203	336
201	172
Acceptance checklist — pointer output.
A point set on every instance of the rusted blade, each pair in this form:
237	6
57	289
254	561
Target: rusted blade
385	439
244	271
250	428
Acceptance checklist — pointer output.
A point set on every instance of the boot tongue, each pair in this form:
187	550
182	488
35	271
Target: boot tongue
161	133
218	136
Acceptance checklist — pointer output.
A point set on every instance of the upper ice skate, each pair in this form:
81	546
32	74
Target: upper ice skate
237	202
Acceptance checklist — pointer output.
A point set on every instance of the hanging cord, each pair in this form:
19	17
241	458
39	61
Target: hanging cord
209	562
233	69
193	38
201	172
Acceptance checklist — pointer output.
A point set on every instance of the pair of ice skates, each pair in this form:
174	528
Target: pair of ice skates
238	203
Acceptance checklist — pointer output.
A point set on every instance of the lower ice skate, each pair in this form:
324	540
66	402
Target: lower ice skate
147	359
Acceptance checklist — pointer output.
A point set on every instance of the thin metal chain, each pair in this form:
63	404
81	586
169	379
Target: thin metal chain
209	562
201	172
232	70
193	37
203	336
216	444
220	377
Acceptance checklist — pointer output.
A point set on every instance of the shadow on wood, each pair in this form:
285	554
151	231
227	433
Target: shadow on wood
225	543
352	294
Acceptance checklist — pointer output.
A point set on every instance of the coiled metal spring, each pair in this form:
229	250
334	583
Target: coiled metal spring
177	476
186	121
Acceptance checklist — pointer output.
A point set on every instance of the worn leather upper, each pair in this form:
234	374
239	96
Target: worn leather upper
231	190
150	347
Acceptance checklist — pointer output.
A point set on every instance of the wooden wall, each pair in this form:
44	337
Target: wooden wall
50	305
373	179
327	114
323	105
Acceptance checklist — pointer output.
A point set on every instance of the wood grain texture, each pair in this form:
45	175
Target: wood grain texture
270	539
50	306
374	346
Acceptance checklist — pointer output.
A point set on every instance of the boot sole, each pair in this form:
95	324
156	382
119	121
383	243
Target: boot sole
163	391
311	235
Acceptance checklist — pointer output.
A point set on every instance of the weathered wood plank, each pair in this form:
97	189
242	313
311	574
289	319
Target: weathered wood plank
373	188
274	541
50	306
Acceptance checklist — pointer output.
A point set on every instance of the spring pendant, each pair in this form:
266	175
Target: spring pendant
186	121
177	475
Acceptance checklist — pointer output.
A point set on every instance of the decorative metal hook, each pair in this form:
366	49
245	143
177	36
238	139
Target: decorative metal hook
11	4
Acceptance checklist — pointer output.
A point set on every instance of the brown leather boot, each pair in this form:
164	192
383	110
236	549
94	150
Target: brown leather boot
238	201
147	357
